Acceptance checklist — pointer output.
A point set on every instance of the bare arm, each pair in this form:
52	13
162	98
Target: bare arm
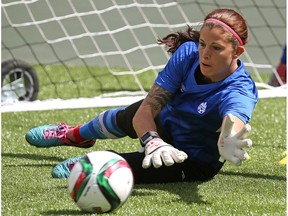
156	99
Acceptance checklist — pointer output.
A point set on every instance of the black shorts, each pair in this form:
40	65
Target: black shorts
187	171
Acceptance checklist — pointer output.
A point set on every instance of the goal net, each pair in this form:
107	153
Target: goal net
104	53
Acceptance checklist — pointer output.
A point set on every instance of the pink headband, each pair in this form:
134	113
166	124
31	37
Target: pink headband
227	27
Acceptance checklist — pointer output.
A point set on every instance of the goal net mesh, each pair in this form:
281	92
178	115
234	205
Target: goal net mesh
107	49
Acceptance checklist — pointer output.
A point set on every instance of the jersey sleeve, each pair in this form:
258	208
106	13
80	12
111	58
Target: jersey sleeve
240	105
173	74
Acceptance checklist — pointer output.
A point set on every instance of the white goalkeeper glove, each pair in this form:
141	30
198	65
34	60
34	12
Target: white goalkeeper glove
156	151
231	143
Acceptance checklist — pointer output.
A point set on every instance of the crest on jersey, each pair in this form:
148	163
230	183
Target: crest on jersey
202	107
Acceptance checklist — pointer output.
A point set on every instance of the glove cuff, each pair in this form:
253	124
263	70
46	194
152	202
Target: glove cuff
148	136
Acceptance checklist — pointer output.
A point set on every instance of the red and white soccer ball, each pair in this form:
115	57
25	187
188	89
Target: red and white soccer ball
100	182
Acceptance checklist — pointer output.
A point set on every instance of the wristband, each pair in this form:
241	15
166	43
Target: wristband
148	136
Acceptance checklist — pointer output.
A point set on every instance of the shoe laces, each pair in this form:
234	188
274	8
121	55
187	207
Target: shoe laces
58	133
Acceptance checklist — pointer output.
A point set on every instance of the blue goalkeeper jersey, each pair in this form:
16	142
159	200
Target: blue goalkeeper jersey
194	114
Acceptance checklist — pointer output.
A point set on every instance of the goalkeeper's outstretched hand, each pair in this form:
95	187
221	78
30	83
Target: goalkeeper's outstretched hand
231	143
158	152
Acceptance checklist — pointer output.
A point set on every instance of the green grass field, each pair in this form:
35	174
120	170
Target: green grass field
258	187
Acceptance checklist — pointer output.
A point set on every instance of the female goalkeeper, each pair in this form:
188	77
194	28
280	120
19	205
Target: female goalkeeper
194	118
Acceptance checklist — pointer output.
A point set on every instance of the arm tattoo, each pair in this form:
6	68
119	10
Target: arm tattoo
157	98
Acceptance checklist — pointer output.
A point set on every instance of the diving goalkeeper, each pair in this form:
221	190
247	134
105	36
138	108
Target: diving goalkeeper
194	118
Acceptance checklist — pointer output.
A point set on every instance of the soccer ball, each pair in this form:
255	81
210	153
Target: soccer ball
100	182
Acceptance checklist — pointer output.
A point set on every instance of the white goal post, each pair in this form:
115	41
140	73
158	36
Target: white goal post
93	53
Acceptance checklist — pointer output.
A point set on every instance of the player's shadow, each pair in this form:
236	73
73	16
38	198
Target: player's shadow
253	175
65	212
181	192
32	157
184	191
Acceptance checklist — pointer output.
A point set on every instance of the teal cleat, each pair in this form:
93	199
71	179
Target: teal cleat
54	135
47	135
62	170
